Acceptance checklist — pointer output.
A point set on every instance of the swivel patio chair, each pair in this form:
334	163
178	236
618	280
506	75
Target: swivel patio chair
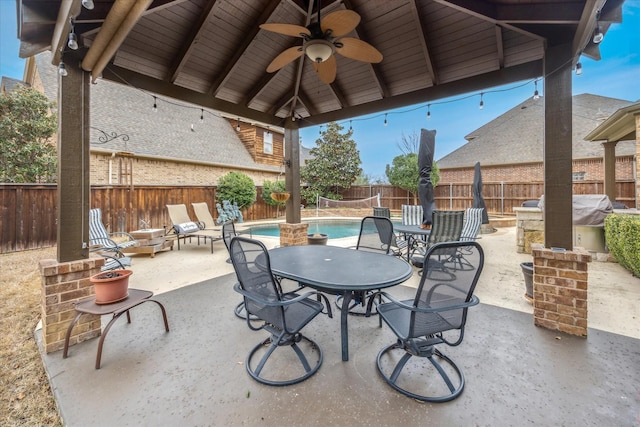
228	233
109	245
283	316
376	235
424	322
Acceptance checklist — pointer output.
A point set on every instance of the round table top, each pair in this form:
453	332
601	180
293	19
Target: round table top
337	268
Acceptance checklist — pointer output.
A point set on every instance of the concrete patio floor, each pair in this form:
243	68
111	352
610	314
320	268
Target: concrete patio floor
516	373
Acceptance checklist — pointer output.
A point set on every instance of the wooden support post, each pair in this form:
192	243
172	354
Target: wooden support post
292	171
558	190
610	169
73	165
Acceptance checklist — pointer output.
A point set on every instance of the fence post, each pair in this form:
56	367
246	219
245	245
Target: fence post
502	198
451	196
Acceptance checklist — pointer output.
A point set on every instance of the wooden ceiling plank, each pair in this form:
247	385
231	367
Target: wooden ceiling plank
499	46
240	49
308	104
190	42
422	36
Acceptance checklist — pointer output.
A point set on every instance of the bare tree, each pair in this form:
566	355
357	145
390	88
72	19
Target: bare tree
409	143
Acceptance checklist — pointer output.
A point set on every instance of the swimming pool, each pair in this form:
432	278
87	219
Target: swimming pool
333	228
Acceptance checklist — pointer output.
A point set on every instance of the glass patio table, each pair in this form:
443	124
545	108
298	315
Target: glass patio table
340	271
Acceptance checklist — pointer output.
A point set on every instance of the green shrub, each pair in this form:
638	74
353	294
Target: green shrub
622	234
237	187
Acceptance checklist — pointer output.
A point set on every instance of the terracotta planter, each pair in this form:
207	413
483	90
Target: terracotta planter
317	239
111	286
280	197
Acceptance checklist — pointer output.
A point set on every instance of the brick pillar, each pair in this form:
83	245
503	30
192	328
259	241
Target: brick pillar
63	284
293	234
560	289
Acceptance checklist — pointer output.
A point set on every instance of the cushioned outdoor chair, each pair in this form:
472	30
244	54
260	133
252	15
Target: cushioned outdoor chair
109	245
436	315
283	316
469	233
376	235
184	228
445	227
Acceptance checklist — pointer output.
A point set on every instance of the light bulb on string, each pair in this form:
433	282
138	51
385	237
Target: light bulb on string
201	115
62	70
481	101
320	130
238	125
428	111
155	104
350	127
72	42
578	69
536	94
385	119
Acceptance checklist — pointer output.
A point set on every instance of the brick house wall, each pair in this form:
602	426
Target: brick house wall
534	172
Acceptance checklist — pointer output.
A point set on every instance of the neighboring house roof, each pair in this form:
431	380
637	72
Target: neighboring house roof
517	136
7	84
173	132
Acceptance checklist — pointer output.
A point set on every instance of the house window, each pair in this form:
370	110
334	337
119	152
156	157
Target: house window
268	142
579	176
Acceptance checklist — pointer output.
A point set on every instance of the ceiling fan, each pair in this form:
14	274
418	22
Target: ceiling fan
321	39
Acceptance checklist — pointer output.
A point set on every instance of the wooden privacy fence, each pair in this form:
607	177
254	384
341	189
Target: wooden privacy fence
29	211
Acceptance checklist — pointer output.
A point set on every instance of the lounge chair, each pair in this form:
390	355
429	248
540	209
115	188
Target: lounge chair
411	215
204	216
445	227
109	245
184	228
470	230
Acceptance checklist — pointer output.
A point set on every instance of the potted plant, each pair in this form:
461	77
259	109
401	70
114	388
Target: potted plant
111	286
317	239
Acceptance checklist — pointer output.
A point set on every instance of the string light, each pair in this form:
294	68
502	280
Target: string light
238	125
481	101
155	104
201	115
578	69
268	131
385	119
536	95
62	70
350	127
73	39
428	111
320	131
597	33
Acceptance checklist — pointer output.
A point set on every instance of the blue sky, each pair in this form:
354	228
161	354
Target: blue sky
617	75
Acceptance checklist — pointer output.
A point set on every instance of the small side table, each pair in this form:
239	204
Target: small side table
88	305
150	241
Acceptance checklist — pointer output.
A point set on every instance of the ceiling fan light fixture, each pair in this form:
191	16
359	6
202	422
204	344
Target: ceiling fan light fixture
318	50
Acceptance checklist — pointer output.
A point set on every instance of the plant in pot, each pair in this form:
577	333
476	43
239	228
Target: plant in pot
111	286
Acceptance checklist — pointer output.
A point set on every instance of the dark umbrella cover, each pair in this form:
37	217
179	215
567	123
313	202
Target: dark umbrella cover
425	185
478	200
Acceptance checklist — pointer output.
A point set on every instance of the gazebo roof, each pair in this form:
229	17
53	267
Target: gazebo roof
213	53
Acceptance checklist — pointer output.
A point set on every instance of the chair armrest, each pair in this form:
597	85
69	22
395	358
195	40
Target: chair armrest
474	301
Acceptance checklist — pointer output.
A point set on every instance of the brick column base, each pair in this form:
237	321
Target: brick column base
560	289
293	234
63	284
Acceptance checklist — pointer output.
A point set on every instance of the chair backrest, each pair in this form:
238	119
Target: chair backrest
452	288
178	214
98	234
228	233
376	234
203	214
257	280
411	214
472	224
446	226
384	212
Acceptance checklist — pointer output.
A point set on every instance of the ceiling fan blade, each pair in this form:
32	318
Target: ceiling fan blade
286	29
340	22
326	70
357	49
284	58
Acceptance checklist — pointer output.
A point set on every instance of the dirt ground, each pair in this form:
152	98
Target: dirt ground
25	395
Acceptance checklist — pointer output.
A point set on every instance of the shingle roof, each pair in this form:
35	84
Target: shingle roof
8	84
173	132
517	136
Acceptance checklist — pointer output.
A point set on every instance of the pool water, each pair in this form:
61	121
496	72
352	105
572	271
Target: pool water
334	229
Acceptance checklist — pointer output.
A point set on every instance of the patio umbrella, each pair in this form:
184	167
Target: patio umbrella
478	200
425	185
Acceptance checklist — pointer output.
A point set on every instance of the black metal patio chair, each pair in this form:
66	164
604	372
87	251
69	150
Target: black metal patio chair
421	324
282	315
